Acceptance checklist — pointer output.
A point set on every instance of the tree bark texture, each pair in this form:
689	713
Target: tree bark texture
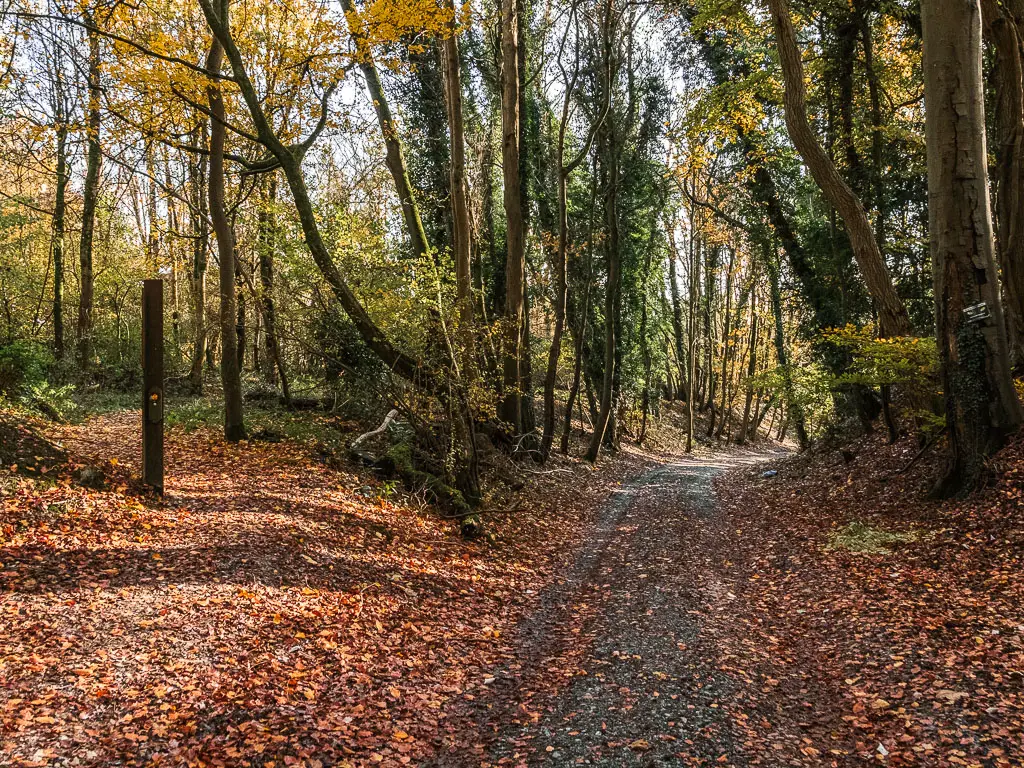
1003	27
515	264
981	405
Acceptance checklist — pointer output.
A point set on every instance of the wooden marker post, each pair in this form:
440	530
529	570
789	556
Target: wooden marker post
153	384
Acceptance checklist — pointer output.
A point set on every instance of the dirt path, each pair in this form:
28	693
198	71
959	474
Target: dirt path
613	669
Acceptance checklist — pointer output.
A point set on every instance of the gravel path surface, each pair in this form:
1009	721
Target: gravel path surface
612	669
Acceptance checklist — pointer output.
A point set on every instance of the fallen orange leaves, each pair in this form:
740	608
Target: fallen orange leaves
266	611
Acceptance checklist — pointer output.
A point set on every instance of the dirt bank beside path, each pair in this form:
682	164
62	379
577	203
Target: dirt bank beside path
613	669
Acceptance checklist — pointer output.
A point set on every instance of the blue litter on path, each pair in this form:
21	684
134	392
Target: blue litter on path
770	473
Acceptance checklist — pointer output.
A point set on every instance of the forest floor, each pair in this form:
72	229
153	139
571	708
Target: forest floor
276	610
828	615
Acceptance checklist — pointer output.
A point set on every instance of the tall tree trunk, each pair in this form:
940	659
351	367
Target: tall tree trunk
59	211
877	128
200	243
493	299
580	329
395	154
564	171
240	323
707	397
529	139
677	312
462	243
612	304
751	368
461	231
274	366
579	324
892	314
561	293
515	264
981	406
172	257
608	379
794	411
670	382
691	352
230	370
1003	28
847	32
645	342
90	198
726	330
257	338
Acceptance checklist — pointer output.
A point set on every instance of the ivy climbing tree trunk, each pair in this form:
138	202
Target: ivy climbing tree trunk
611	301
981	406
877	129
579	322
679	343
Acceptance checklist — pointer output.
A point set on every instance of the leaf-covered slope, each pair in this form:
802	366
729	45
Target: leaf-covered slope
914	654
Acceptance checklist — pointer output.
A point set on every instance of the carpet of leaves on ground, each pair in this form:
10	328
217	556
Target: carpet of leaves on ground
269	611
913	656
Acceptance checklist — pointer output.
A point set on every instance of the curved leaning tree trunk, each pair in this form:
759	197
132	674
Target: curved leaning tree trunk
981	405
290	159
892	314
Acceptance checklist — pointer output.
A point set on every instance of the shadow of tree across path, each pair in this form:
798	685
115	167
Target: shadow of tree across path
41	569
